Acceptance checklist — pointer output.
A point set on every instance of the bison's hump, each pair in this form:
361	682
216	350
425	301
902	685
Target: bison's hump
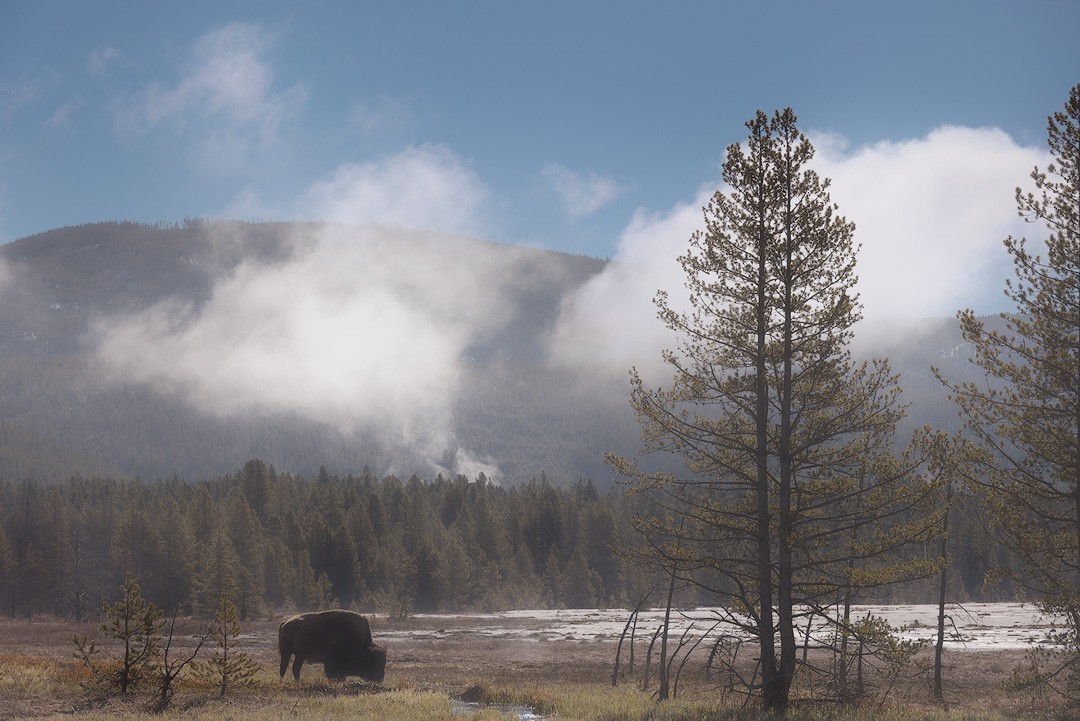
323	627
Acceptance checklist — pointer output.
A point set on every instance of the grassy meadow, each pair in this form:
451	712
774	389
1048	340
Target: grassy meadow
429	672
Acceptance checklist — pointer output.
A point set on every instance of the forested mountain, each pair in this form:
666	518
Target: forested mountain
62	412
59	415
324	515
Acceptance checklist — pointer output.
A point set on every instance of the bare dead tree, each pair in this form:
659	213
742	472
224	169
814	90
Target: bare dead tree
648	658
170	669
631	621
686	656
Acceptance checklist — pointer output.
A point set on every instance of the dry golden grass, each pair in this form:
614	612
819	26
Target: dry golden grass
566	680
38	675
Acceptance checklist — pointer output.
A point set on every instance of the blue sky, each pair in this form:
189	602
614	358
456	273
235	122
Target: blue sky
588	127
556	120
595	128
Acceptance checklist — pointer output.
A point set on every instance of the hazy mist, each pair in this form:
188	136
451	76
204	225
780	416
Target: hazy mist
357	326
373	326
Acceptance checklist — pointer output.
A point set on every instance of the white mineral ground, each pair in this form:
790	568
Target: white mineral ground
972	626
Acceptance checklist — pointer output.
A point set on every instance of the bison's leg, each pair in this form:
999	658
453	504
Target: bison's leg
285	648
296	667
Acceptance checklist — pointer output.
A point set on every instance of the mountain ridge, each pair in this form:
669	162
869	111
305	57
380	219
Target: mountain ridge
63	282
506	411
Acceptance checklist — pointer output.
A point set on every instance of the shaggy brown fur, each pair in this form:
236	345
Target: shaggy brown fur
339	640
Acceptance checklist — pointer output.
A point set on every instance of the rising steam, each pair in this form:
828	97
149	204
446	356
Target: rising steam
357	327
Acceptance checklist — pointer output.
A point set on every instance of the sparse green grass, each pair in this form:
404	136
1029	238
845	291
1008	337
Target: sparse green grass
600	702
568	701
561	701
406	705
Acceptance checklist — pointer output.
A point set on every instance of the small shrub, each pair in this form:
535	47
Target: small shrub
228	666
137	624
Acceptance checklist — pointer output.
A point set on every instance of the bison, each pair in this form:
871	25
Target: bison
339	640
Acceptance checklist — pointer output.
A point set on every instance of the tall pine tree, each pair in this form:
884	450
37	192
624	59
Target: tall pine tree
1026	415
785	440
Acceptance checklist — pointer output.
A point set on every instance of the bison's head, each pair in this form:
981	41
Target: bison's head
369	663
377	654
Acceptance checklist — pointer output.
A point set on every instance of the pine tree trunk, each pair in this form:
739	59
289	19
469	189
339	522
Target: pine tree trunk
785	580
772	696
663	694
939	647
845	635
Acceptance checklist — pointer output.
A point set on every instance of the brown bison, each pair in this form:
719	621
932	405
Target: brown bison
339	640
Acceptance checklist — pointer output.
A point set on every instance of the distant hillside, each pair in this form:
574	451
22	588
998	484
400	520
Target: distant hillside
61	414
57	417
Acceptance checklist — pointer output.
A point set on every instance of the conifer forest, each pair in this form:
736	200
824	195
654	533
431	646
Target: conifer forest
278	543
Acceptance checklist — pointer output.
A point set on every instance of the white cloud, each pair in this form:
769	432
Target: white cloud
427	187
15	96
930	215
611	324
424	187
227	96
309	335
582	194
99	61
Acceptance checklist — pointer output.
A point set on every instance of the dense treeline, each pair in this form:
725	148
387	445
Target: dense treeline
277	542
281	542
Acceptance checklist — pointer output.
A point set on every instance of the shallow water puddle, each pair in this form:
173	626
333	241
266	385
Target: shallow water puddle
467	708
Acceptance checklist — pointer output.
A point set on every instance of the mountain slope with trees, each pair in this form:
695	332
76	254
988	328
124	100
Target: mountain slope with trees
59	418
